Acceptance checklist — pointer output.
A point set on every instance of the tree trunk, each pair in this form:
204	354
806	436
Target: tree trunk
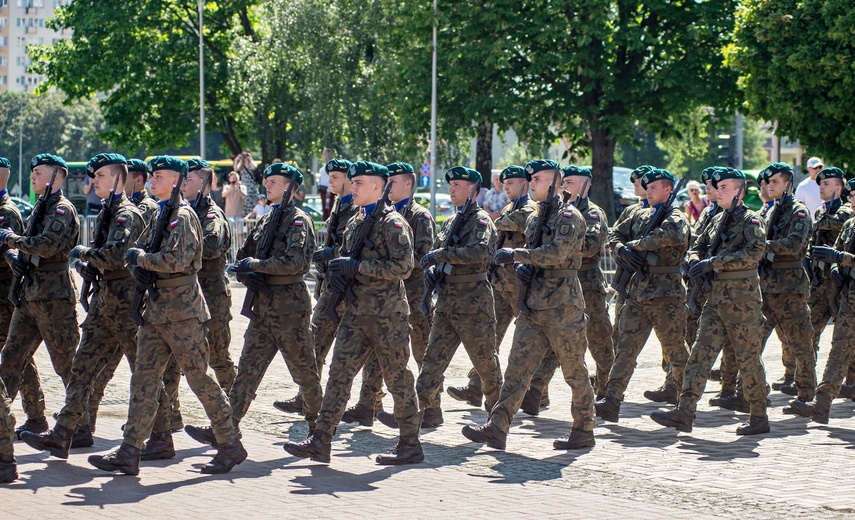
484	151
603	151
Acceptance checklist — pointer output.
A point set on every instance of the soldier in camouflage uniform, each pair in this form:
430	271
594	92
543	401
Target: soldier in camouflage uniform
323	328
374	320
283	303
465	310
732	312
599	328
403	179
173	325
47	311
848	389
108	326
506	286
656	302
549	268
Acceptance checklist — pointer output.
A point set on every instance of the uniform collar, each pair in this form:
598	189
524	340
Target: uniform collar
657	206
368	209
400	204
713	207
831	205
116	197
644	203
581	203
770	203
522	200
346	199
55	195
788	198
3	193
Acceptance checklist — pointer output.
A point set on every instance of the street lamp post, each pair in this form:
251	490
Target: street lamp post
433	118
201	5
19	188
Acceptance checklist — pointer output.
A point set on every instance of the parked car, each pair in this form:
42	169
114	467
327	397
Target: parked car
313	205
24	206
624	191
444	207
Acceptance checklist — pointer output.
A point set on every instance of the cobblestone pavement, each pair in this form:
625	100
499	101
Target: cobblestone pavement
637	469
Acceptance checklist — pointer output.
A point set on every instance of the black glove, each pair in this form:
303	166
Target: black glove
631	258
324	254
826	254
344	267
88	272
6	236
429	277
132	255
837	277
14	259
504	256
701	268
143	277
321	267
254	281
78	251
242	266
338	282
429	259
524	272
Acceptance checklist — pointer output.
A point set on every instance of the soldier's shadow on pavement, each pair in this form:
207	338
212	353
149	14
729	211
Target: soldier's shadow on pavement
46	477
327	480
516	468
739	446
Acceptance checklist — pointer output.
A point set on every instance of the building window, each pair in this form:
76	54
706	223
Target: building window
4	41
4	21
4	80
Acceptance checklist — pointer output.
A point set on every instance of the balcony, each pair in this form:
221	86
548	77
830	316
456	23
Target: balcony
32	29
32	10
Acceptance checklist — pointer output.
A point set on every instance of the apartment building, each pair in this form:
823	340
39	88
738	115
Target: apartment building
22	23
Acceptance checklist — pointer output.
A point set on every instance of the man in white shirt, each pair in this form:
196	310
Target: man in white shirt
808	190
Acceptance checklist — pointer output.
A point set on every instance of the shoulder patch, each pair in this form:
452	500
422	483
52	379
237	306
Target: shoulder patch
298	223
755	221
399	224
801	214
482	222
593	216
173	224
60	211
2	218
211	215
122	219
427	216
568	214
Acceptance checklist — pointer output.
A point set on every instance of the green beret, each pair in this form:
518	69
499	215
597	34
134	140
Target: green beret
774	168
850	185
461	173
101	160
829	173
135	165
285	170
167	162
512	172
656	174
197	164
337	165
49	159
367	168
4	163
707	173
578	171
726	173
400	168
540	165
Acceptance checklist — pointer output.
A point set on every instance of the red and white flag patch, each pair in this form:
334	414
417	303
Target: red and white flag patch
801	214
399	224
173	224
209	216
2	219
298	223
121	220
592	215
60	211
482	222
755	221
568	214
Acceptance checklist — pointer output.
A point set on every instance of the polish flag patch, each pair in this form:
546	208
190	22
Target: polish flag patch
60	211
755	221
801	214
173	224
298	223
427	216
592	216
209	216
121	220
399	224
482	222
568	214
2	219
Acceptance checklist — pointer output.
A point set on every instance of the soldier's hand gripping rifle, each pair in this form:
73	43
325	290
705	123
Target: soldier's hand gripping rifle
774	222
547	207
157	236
451	239
29	261
705	280
621	280
360	239
99	240
500	243
846	273
331	238
816	267
265	247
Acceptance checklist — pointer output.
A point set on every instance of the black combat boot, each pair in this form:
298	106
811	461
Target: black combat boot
736	403
202	434
159	446
408	450
574	440
608	409
812	410
487	434
663	394
229	455
39	425
724	394
82	437
8	469
470	394
125	459
544	399
317	447
531	402
293	405
359	414
715	375
386	419
680	418
847	391
432	418
786	380
789	389
57	441
754	426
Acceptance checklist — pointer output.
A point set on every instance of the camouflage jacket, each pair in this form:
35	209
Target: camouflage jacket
788	242
55	236
844	243
10	218
424	235
664	248
471	254
379	287
216	242
148	206
597	231
291	255
180	255
347	211
560	249
741	249
828	224
512	226
704	220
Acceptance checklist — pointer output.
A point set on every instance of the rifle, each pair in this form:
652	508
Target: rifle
546	209
706	280
491	271
778	209
265	246
159	232
451	239
816	266
850	248
200	196
98	241
621	281
575	203
30	261
330	240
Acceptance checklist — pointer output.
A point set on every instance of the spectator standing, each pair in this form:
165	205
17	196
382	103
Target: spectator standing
495	198
808	190
327	198
299	196
260	209
217	191
245	167
696	203
234	195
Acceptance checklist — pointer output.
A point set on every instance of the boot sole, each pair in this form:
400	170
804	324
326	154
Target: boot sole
758	432
361	422
576	446
127	470
200	439
400	462
463	398
158	456
389	424
671	424
301	455
607	416
219	471
55	452
287	409
495	444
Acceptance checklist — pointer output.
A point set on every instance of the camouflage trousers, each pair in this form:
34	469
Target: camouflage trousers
477	332
739	323
148	409
323	329
7	424
789	313
729	368
357	338
599	335
55	322
217	330
667	317
32	396
535	335
506	310
291	335
820	303
842	351
371	391
99	385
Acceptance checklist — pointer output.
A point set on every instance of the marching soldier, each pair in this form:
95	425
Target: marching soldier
555	297
173	325
374	321
465	310
732	311
108	326
655	302
136	192
323	328
506	286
